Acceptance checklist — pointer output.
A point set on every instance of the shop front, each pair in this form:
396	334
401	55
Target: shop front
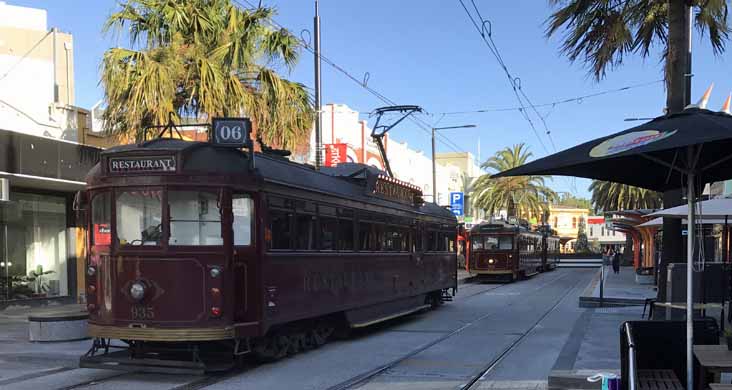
41	249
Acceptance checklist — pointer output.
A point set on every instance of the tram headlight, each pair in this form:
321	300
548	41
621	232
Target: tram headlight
215	272
137	291
91	271
491	261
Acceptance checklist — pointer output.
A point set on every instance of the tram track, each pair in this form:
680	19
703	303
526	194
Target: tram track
212	379
366	376
481	374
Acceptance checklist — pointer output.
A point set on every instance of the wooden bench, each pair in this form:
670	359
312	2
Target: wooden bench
657	380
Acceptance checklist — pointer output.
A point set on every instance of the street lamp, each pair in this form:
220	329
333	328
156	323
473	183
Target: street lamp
434	158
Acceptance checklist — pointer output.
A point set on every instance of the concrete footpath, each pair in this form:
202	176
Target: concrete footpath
594	343
619	290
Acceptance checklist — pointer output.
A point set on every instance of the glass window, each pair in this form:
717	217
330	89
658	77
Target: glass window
139	217
101	216
195	218
33	252
396	239
305	227
242	206
280	229
370	236
498	242
328	233
345	227
477	242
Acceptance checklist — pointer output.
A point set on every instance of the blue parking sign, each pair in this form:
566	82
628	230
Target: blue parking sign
456	203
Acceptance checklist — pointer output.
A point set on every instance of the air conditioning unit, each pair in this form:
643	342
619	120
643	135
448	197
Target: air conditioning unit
4	190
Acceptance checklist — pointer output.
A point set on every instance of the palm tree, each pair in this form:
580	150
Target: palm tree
200	59
609	196
467	186
520	196
601	33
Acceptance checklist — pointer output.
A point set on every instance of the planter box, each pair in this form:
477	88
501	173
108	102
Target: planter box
645	279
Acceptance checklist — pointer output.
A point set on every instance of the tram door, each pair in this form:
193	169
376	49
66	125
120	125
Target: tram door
244	255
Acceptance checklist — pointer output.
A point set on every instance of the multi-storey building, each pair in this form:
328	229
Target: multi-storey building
41	162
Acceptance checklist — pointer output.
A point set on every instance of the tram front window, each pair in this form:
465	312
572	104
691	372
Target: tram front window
139	217
499	243
195	218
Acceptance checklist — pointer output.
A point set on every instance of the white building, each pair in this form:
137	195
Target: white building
39	159
598	233
342	126
37	76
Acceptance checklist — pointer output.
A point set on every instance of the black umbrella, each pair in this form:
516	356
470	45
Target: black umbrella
681	150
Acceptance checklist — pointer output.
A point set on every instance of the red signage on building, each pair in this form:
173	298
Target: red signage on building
334	154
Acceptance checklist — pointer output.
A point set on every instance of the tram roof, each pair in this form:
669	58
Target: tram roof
347	180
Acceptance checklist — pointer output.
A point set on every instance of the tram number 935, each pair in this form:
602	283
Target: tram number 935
142	312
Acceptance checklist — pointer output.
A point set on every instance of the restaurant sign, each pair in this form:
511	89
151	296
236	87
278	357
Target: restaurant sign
142	164
397	190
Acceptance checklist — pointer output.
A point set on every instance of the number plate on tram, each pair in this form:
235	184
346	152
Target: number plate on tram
139	312
231	131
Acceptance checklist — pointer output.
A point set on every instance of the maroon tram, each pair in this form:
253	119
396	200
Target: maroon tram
198	247
502	250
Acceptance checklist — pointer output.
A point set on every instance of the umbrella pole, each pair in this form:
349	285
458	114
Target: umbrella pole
689	282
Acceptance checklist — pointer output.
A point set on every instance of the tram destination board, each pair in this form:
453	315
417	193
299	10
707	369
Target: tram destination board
140	164
232	132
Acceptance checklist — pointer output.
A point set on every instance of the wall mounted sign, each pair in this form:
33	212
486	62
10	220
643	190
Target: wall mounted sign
628	141
335	154
142	164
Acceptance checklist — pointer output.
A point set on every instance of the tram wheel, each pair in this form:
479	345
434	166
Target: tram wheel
322	333
270	349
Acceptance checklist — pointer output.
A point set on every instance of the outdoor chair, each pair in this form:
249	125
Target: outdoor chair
659	351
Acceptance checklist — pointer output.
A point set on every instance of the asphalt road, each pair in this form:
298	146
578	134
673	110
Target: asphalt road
491	336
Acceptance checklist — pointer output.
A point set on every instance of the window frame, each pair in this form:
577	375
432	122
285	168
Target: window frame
252	220
165	221
218	193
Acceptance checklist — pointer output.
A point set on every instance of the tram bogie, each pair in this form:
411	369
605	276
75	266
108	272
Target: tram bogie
193	244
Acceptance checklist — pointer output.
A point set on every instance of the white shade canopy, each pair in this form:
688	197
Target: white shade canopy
657	222
712	208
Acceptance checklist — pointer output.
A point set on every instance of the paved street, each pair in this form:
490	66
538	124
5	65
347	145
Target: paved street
498	336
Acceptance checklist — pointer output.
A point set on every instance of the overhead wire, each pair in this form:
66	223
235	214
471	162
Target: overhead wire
420	123
499	58
514	81
577	99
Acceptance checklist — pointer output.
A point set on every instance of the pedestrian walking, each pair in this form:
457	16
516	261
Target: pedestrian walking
616	262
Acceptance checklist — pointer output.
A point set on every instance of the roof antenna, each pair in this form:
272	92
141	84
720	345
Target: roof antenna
379	131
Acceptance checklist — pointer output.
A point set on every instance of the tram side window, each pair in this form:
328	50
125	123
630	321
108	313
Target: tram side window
281	231
345	229
243	209
305	225
195	218
139	217
450	242
101	215
370	235
395	239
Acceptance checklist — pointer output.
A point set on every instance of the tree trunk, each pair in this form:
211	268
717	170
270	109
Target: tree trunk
677	97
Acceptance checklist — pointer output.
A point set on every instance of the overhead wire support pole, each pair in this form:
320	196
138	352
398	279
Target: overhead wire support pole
318	92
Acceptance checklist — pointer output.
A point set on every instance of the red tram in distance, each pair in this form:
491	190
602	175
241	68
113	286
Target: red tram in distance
198	250
504	251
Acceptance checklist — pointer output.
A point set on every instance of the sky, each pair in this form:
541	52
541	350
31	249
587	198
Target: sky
427	53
